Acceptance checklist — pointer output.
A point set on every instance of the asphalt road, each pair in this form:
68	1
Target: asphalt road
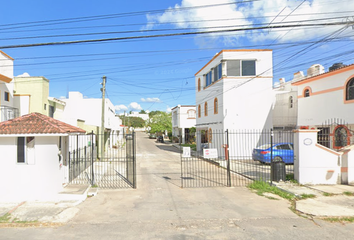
160	209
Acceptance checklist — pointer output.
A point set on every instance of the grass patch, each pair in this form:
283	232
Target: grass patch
326	194
340	219
192	146
16	220
290	177
262	187
5	218
348	193
305	196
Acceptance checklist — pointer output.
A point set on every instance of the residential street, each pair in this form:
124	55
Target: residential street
160	209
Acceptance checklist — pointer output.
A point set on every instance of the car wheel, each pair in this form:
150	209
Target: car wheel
277	159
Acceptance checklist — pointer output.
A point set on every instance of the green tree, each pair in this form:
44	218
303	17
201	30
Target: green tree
135	122
153	113
159	122
142	111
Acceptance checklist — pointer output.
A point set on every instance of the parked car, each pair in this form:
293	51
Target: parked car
152	136
160	139
281	152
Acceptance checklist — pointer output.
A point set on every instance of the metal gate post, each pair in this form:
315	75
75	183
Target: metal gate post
92	149
77	156
134	161
271	156
227	159
180	147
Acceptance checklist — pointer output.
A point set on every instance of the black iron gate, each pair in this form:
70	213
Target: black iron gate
114	167
213	158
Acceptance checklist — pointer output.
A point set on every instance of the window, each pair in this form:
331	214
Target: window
205	109
284	147
51	111
7	96
219	71
21	149
241	67
210	135
233	68
199	84
249	68
199	112
191	113
216	107
215	71
45	106
340	137
291	102
25	150
208	78
350	90
307	93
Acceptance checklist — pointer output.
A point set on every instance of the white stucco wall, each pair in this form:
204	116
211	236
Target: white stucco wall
326	100
285	115
6	65
89	110
313	163
244	102
22	102
41	180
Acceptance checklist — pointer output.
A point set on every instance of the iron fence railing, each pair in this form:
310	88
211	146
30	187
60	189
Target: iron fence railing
235	158
335	134
111	167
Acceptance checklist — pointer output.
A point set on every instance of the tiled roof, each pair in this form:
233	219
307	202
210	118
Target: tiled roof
36	123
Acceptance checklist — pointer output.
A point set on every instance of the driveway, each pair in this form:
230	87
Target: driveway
160	209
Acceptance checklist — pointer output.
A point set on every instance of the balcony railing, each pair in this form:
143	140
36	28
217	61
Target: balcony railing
8	113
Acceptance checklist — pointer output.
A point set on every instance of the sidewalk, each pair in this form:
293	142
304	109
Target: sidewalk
59	210
329	200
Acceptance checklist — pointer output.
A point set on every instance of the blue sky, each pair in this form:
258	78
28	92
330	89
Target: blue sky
158	73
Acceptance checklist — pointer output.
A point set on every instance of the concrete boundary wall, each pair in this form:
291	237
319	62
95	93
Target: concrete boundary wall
317	164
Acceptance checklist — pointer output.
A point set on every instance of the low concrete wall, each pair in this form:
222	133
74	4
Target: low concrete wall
347	167
314	163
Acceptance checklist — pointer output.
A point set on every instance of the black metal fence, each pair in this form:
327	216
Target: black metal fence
335	134
111	167
235	158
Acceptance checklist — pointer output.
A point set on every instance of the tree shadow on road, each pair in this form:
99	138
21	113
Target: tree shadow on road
168	148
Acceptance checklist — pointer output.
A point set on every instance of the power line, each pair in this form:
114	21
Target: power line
108	16
162	30
173	34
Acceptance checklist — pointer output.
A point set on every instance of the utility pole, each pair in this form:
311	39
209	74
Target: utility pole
103	89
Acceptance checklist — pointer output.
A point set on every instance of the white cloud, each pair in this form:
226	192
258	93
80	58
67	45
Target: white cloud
134	106
120	107
168	109
25	74
249	14
151	100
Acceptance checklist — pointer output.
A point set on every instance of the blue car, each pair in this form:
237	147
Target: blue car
281	152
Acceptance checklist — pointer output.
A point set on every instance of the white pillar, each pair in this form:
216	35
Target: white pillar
304	143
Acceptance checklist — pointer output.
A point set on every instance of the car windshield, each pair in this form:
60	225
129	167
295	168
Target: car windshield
265	146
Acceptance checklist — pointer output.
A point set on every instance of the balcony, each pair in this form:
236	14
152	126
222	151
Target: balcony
8	113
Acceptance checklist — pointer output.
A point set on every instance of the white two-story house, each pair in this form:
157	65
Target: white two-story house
234	91
86	113
7	109
183	118
326	102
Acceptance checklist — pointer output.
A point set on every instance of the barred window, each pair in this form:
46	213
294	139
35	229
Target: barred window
350	90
